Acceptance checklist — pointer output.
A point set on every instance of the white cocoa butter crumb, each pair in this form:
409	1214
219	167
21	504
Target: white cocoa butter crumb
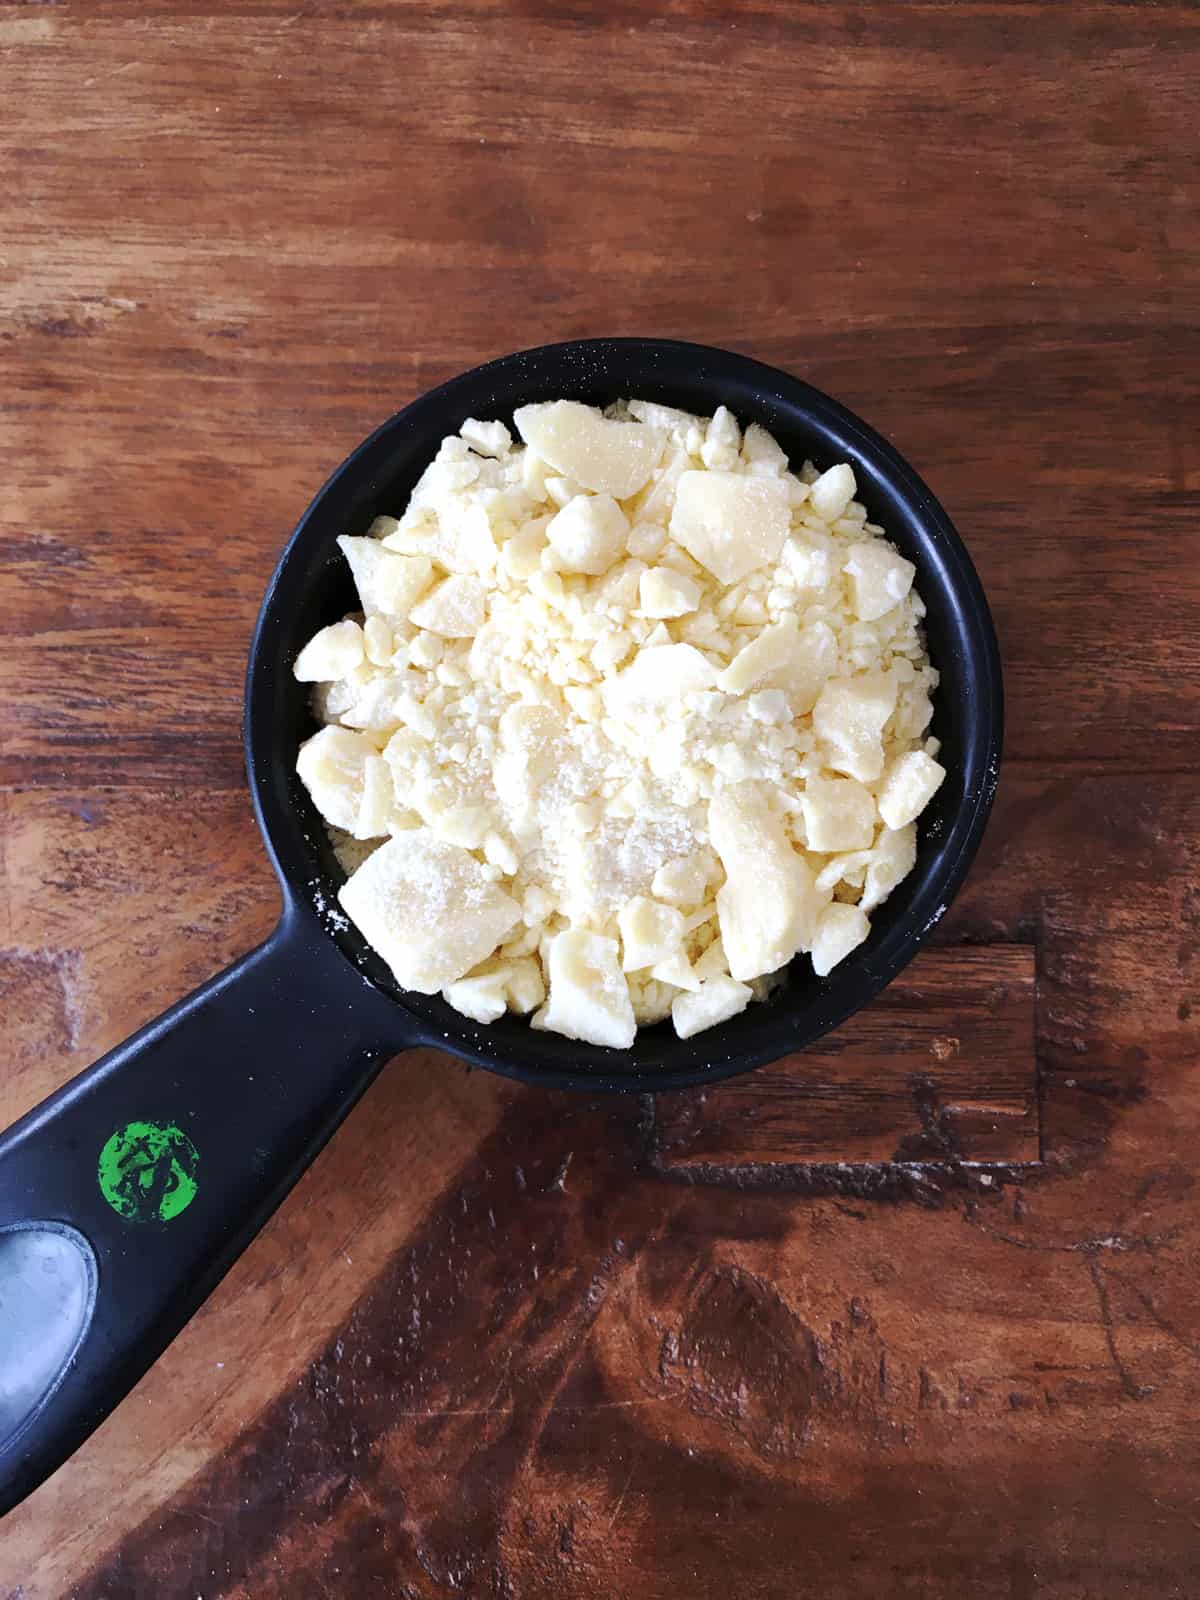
633	712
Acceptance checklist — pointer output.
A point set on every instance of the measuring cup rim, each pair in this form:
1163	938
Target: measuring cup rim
969	698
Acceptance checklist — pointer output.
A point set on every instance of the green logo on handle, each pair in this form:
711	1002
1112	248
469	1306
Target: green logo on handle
147	1171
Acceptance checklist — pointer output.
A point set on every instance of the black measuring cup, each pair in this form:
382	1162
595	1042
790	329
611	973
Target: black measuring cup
127	1195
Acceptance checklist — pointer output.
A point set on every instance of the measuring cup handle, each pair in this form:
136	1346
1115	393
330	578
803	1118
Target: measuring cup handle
126	1196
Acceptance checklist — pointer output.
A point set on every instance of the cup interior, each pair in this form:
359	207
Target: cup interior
312	587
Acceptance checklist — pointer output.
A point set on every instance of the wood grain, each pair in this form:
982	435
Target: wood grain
894	1083
518	1346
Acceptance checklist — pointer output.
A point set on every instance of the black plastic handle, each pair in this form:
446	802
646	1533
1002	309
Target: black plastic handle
126	1196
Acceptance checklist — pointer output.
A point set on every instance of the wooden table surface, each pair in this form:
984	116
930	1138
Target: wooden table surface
915	1314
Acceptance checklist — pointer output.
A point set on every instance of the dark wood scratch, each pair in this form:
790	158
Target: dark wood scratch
1135	1390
